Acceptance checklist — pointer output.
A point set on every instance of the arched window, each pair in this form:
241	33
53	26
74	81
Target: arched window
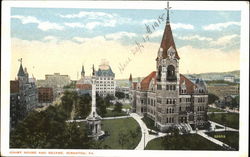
159	73
171	73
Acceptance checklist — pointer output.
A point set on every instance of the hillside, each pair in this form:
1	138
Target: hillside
216	75
205	76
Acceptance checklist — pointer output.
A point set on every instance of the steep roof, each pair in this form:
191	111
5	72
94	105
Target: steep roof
105	72
82	69
168	41
130	77
189	84
146	81
21	71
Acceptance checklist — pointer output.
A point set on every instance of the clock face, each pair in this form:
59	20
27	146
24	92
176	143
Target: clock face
171	52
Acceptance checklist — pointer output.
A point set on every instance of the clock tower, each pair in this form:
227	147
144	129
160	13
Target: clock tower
167	86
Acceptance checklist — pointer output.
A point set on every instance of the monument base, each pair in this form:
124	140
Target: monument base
94	123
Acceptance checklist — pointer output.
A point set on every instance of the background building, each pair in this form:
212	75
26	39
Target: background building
84	85
105	80
45	95
23	96
55	81
229	78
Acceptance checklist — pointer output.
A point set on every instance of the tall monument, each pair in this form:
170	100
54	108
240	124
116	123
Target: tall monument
94	120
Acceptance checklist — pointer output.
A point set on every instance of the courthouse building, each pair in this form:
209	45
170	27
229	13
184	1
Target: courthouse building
166	96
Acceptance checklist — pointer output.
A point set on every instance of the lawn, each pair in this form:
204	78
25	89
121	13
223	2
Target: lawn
127	129
218	127
231	119
149	123
230	138
182	142
110	113
126	106
211	109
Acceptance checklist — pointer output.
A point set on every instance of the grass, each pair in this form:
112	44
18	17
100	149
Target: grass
115	128
182	142
210	109
231	119
127	106
110	113
230	138
218	127
149	123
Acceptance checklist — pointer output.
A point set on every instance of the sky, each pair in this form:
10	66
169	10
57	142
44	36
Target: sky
61	40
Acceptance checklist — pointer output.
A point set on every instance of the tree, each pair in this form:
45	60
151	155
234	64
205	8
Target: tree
107	100
101	106
235	102
83	107
77	137
212	98
68	99
118	107
120	95
48	129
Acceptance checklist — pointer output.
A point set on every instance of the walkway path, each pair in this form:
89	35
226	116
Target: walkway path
202	133
146	137
216	112
213	124
105	118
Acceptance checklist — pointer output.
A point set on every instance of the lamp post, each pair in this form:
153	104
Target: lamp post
144	137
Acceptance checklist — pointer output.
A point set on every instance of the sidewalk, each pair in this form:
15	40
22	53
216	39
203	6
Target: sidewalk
202	133
146	137
84	120
223	127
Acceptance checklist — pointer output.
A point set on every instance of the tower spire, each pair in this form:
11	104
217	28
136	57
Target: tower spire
83	72
168	8
20	71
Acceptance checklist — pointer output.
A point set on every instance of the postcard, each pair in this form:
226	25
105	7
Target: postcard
124	78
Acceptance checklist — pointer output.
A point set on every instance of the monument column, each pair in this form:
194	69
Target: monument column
94	120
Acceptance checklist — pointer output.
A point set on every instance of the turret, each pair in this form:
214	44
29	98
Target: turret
130	80
22	75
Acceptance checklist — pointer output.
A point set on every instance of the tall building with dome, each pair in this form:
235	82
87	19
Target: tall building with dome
105	80
166	96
